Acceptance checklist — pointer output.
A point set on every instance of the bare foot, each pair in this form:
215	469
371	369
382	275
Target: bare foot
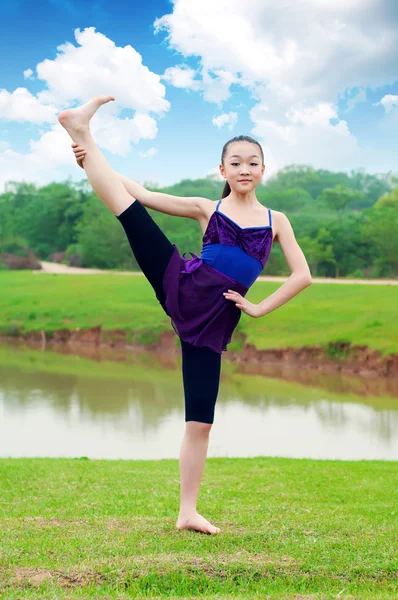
198	523
78	119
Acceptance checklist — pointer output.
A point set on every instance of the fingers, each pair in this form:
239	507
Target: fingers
231	293
78	151
77	148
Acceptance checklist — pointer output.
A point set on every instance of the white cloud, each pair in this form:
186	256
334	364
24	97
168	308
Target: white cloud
116	135
42	164
77	73
309	138
229	119
389	102
28	74
295	59
149	153
309	48
216	85
51	150
181	76
23	106
98	66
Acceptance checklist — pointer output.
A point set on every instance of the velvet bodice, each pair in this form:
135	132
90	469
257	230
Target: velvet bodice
255	241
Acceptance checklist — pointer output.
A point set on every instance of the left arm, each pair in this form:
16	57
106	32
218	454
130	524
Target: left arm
300	277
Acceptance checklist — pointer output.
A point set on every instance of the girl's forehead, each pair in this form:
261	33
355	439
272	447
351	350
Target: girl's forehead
243	149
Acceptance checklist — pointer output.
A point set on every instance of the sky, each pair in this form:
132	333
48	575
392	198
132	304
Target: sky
315	82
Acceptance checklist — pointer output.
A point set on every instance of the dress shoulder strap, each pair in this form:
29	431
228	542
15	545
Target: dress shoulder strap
218	204
270	218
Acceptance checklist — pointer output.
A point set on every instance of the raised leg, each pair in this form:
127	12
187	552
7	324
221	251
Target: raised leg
104	180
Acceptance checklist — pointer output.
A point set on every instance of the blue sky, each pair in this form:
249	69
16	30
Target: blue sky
314	83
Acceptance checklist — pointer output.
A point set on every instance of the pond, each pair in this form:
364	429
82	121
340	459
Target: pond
109	403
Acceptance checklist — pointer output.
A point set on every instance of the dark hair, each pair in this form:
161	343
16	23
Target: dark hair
239	138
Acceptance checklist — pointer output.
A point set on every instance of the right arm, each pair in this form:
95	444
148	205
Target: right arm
191	207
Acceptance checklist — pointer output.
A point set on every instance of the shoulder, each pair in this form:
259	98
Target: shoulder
206	208
280	224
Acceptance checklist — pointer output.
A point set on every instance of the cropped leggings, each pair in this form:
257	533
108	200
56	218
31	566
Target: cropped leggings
200	366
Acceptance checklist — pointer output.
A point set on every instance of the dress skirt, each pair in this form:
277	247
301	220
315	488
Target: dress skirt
198	311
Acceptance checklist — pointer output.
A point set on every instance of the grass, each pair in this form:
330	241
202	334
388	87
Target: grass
321	314
290	528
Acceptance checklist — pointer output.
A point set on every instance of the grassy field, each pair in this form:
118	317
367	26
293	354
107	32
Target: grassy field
322	313
290	528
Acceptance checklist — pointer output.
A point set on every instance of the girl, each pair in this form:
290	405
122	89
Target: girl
203	297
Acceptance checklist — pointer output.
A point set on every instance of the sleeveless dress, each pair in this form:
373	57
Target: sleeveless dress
232	258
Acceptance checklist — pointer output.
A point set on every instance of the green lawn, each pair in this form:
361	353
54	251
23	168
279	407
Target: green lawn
322	313
290	528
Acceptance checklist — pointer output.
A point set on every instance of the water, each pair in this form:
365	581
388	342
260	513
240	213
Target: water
61	404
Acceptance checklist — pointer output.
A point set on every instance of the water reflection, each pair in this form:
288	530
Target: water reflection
61	404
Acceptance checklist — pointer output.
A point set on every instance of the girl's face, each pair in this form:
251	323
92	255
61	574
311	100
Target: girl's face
242	162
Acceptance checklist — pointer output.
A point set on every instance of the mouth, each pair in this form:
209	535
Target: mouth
245	181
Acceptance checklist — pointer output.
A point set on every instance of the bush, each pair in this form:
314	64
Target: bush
20	262
57	257
72	255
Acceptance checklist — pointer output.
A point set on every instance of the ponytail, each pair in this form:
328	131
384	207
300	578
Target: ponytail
226	191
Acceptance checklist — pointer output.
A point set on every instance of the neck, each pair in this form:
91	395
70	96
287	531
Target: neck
241	199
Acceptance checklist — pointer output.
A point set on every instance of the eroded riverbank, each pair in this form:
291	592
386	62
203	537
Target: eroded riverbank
359	360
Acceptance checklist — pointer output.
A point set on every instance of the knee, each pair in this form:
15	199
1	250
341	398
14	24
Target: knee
197	428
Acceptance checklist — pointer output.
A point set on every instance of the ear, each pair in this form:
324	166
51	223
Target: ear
222	171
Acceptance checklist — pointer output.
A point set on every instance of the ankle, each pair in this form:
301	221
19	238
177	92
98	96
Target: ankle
81	135
186	512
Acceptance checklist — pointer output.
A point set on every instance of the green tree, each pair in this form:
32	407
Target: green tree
319	253
388	200
339	197
288	201
380	227
351	251
101	241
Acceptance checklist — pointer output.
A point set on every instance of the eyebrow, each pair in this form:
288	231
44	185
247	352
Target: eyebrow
237	156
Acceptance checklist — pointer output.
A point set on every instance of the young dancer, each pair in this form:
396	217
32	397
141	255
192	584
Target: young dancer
203	296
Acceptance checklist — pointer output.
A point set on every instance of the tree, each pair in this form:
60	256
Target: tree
380	227
339	197
388	200
318	252
291	200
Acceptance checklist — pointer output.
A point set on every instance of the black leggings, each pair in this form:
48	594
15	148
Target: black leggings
200	366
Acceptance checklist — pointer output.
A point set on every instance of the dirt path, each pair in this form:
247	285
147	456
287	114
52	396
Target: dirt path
48	267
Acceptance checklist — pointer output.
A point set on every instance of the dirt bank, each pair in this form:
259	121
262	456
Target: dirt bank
335	357
49	267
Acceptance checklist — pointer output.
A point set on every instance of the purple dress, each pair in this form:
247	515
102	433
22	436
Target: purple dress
198	311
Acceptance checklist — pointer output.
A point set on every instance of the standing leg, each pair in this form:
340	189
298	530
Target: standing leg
201	376
103	179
